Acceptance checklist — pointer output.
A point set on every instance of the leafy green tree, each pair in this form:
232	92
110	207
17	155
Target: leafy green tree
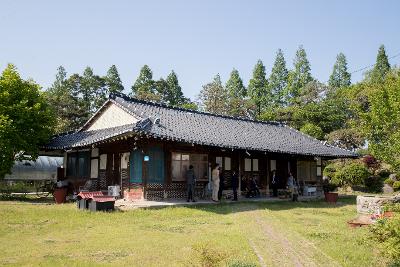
380	123
26	119
235	86
258	88
347	138
144	86
188	104
113	81
340	77
381	67
299	77
312	130
66	106
213	97
174	95
278	79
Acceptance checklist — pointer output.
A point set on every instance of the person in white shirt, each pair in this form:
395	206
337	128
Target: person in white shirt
215	182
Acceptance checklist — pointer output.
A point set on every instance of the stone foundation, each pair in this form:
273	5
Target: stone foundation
134	194
370	204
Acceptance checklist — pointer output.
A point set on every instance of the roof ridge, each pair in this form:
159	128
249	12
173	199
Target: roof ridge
157	104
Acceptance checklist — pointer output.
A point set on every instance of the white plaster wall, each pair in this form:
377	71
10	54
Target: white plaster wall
94	168
124	160
112	116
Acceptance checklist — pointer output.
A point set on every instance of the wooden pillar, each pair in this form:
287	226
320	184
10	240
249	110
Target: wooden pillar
268	170
240	173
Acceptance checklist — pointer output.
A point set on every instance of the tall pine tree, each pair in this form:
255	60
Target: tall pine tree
278	79
144	86
213	97
340	77
258	88
381	67
300	76
237	103
235	86
174	95
113	81
93	90
65	102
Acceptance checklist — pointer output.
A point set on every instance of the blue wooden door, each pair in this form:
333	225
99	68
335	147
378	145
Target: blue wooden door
155	165
135	162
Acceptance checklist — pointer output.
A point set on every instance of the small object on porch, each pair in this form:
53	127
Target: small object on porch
310	191
114	190
284	193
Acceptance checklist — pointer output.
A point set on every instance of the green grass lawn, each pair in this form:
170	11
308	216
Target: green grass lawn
240	234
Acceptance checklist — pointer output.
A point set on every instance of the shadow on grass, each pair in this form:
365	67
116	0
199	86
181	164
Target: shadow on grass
227	207
33	199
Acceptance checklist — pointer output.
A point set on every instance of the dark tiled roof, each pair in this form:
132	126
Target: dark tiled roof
85	138
209	129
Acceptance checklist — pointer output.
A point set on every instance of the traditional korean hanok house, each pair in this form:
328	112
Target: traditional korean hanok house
146	148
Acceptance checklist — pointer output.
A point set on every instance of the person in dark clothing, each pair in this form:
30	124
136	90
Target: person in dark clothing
191	184
221	184
235	185
253	190
274	184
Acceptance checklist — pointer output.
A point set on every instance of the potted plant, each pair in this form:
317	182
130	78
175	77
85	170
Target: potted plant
330	196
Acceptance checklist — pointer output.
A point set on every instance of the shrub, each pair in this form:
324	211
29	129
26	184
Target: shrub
209	255
351	174
387	233
396	185
7	188
370	161
389	181
329	170
395	207
373	184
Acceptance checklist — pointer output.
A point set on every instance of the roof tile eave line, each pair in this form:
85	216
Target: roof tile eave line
161	105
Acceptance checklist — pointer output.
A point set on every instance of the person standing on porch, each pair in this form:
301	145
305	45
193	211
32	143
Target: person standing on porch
274	183
292	186
215	181
191	184
221	184
235	185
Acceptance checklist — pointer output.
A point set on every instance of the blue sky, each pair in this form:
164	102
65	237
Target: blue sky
197	39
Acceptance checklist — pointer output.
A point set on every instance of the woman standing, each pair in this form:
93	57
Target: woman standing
215	181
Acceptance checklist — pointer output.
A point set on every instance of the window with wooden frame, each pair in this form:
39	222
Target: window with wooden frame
180	163
224	162
78	164
250	165
306	170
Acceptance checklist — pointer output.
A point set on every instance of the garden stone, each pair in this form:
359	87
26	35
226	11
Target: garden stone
387	189
370	204
396	198
393	176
